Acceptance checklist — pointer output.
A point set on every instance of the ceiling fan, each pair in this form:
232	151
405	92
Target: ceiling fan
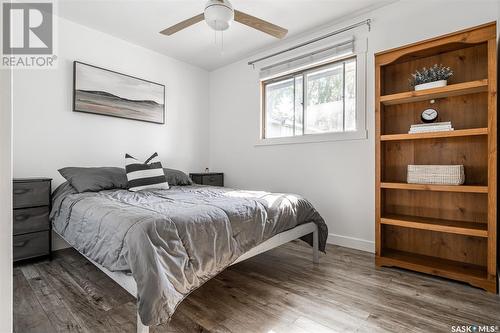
220	13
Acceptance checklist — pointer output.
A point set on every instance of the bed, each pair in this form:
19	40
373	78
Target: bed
161	245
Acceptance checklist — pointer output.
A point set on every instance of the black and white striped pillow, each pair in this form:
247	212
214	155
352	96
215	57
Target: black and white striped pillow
145	176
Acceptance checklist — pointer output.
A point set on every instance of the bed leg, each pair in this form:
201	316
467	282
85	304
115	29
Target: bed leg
315	246
141	328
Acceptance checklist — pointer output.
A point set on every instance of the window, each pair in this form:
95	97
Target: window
320	100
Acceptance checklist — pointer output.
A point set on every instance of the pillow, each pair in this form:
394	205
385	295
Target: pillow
95	179
177	177
145	176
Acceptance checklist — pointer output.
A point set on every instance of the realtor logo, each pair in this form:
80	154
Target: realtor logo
28	29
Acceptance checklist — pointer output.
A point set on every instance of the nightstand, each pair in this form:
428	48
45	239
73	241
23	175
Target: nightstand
31	225
208	178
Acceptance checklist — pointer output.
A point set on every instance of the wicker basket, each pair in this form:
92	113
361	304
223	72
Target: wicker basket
436	174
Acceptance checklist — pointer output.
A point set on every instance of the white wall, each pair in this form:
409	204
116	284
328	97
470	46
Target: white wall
48	135
5	203
337	177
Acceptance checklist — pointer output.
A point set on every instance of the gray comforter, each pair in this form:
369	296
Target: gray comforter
172	241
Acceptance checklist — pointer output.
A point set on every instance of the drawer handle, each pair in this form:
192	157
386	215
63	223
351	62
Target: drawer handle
22	217
21	191
21	244
211	179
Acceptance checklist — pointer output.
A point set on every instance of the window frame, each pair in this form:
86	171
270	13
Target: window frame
359	133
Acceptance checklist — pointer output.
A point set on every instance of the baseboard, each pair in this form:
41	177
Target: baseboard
352	242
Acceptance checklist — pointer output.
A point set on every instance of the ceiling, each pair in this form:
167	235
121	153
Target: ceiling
140	21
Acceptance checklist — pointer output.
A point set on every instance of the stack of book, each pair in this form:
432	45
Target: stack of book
433	127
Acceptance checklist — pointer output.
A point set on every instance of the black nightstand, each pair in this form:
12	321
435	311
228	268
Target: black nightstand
208	178
31	225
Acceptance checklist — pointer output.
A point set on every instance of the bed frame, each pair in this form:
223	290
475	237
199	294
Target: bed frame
127	282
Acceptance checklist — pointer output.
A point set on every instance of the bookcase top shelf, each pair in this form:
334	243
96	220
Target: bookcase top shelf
438	45
457	89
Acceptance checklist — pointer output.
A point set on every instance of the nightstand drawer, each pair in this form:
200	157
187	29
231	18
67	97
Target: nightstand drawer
30	220
31	245
31	194
213	180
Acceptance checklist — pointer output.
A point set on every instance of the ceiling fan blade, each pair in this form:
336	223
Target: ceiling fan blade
257	23
182	25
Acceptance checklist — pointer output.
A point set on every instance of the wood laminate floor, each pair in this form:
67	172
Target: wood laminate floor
280	291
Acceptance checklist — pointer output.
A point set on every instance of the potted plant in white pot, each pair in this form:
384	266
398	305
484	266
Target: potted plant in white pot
432	77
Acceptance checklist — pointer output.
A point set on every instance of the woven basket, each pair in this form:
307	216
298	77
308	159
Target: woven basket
436	174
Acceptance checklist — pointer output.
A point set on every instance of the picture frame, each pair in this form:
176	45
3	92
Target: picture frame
101	91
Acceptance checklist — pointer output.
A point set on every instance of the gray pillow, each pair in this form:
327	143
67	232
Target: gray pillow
95	179
177	177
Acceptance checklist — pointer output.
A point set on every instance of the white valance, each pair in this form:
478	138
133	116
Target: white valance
326	53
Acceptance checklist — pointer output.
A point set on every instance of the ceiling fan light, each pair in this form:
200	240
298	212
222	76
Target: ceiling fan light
219	14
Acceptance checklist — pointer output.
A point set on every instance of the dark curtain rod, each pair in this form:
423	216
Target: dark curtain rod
355	25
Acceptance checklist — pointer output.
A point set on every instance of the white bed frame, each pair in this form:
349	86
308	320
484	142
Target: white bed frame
127	282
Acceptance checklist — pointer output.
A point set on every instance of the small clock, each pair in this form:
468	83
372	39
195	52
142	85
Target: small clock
429	116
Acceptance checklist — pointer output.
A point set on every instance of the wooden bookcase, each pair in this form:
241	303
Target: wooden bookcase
449	231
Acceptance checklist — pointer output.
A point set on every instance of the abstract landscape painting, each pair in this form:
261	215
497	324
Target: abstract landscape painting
101	91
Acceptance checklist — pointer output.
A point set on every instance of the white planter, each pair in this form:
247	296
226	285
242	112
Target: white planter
430	85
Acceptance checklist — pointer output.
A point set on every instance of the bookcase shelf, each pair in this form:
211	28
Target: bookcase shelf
441	92
435	135
436	188
444	230
475	229
475	275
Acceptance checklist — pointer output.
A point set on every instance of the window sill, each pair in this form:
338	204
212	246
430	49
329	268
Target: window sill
313	138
